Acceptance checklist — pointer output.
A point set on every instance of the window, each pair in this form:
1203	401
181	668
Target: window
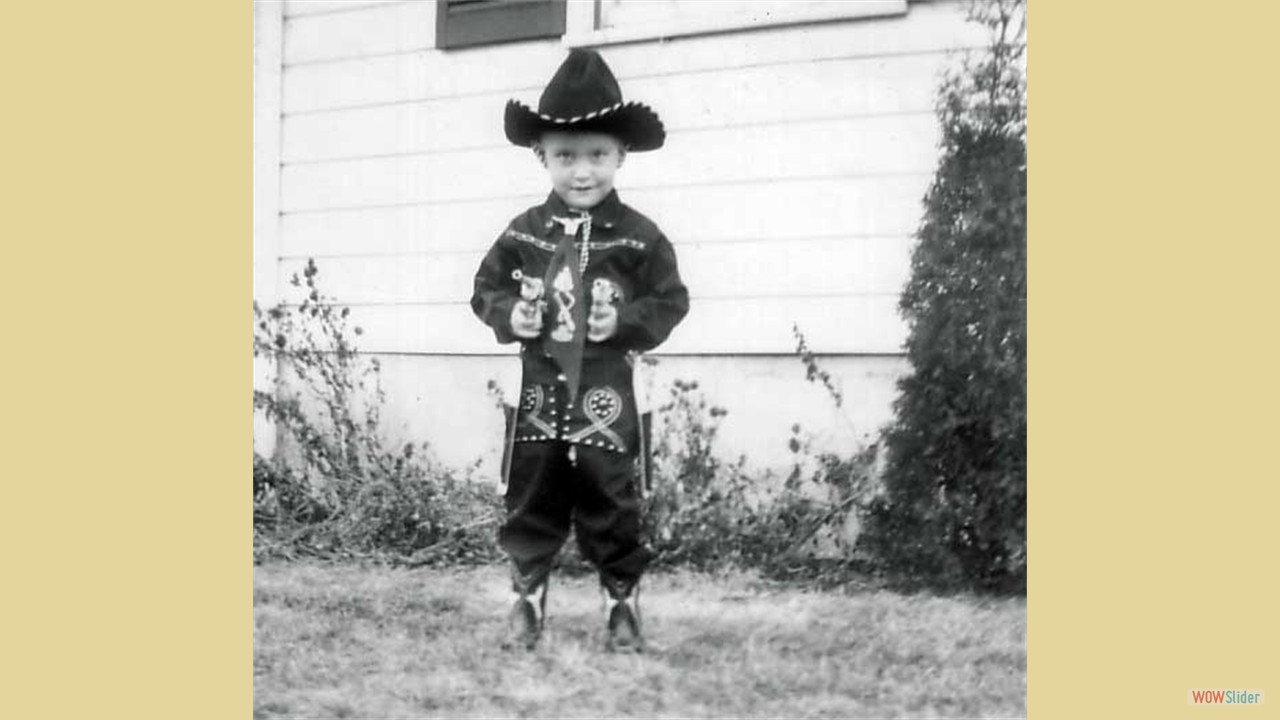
464	23
603	22
468	23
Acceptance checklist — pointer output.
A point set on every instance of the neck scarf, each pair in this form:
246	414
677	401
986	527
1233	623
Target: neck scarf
563	280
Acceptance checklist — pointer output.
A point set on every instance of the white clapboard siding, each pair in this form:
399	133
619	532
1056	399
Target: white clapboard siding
862	324
302	8
525	67
382	79
784	209
376	30
757	95
655	18
819	266
423	126
267	34
894	145
878	206
845	148
791	182
399	230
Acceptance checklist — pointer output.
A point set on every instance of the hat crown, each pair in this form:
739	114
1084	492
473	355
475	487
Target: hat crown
583	84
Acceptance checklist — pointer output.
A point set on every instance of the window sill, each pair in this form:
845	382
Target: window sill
738	21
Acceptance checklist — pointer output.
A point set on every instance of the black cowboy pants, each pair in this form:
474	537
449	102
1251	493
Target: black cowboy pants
597	496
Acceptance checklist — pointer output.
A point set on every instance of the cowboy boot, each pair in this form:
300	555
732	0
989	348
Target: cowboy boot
524	627
526	619
624	629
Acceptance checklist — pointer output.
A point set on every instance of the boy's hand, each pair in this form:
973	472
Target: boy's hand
602	323
526	319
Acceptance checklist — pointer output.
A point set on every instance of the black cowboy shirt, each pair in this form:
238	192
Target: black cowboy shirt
628	254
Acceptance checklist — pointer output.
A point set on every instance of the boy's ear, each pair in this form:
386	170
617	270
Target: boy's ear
540	152
622	154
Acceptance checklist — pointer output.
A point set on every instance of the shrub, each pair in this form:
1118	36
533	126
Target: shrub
706	514
695	499
338	488
954	509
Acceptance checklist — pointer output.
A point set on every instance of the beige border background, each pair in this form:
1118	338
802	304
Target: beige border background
1153	383
127	228
1154	390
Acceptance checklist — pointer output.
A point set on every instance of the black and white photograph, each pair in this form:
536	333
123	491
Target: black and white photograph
640	358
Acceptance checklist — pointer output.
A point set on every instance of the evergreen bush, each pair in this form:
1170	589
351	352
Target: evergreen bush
954	504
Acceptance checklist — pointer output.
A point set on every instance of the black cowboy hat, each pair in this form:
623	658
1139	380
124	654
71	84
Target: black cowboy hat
584	96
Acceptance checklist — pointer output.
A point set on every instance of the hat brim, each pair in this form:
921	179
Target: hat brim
635	124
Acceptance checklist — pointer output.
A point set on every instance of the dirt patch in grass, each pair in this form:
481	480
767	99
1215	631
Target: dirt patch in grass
352	641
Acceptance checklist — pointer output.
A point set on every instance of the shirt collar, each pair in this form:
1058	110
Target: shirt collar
605	214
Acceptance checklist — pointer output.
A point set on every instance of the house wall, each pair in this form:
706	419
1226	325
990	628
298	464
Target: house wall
791	181
268	38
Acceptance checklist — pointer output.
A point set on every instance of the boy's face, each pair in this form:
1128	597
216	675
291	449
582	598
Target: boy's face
581	165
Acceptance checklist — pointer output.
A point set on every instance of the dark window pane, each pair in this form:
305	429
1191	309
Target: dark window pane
463	23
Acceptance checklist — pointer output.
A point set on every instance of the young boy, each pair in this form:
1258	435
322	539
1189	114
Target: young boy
584	283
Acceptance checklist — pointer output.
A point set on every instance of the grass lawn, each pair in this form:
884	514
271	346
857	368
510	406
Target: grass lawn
354	641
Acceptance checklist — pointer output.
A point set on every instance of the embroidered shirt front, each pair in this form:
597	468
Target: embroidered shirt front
629	263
